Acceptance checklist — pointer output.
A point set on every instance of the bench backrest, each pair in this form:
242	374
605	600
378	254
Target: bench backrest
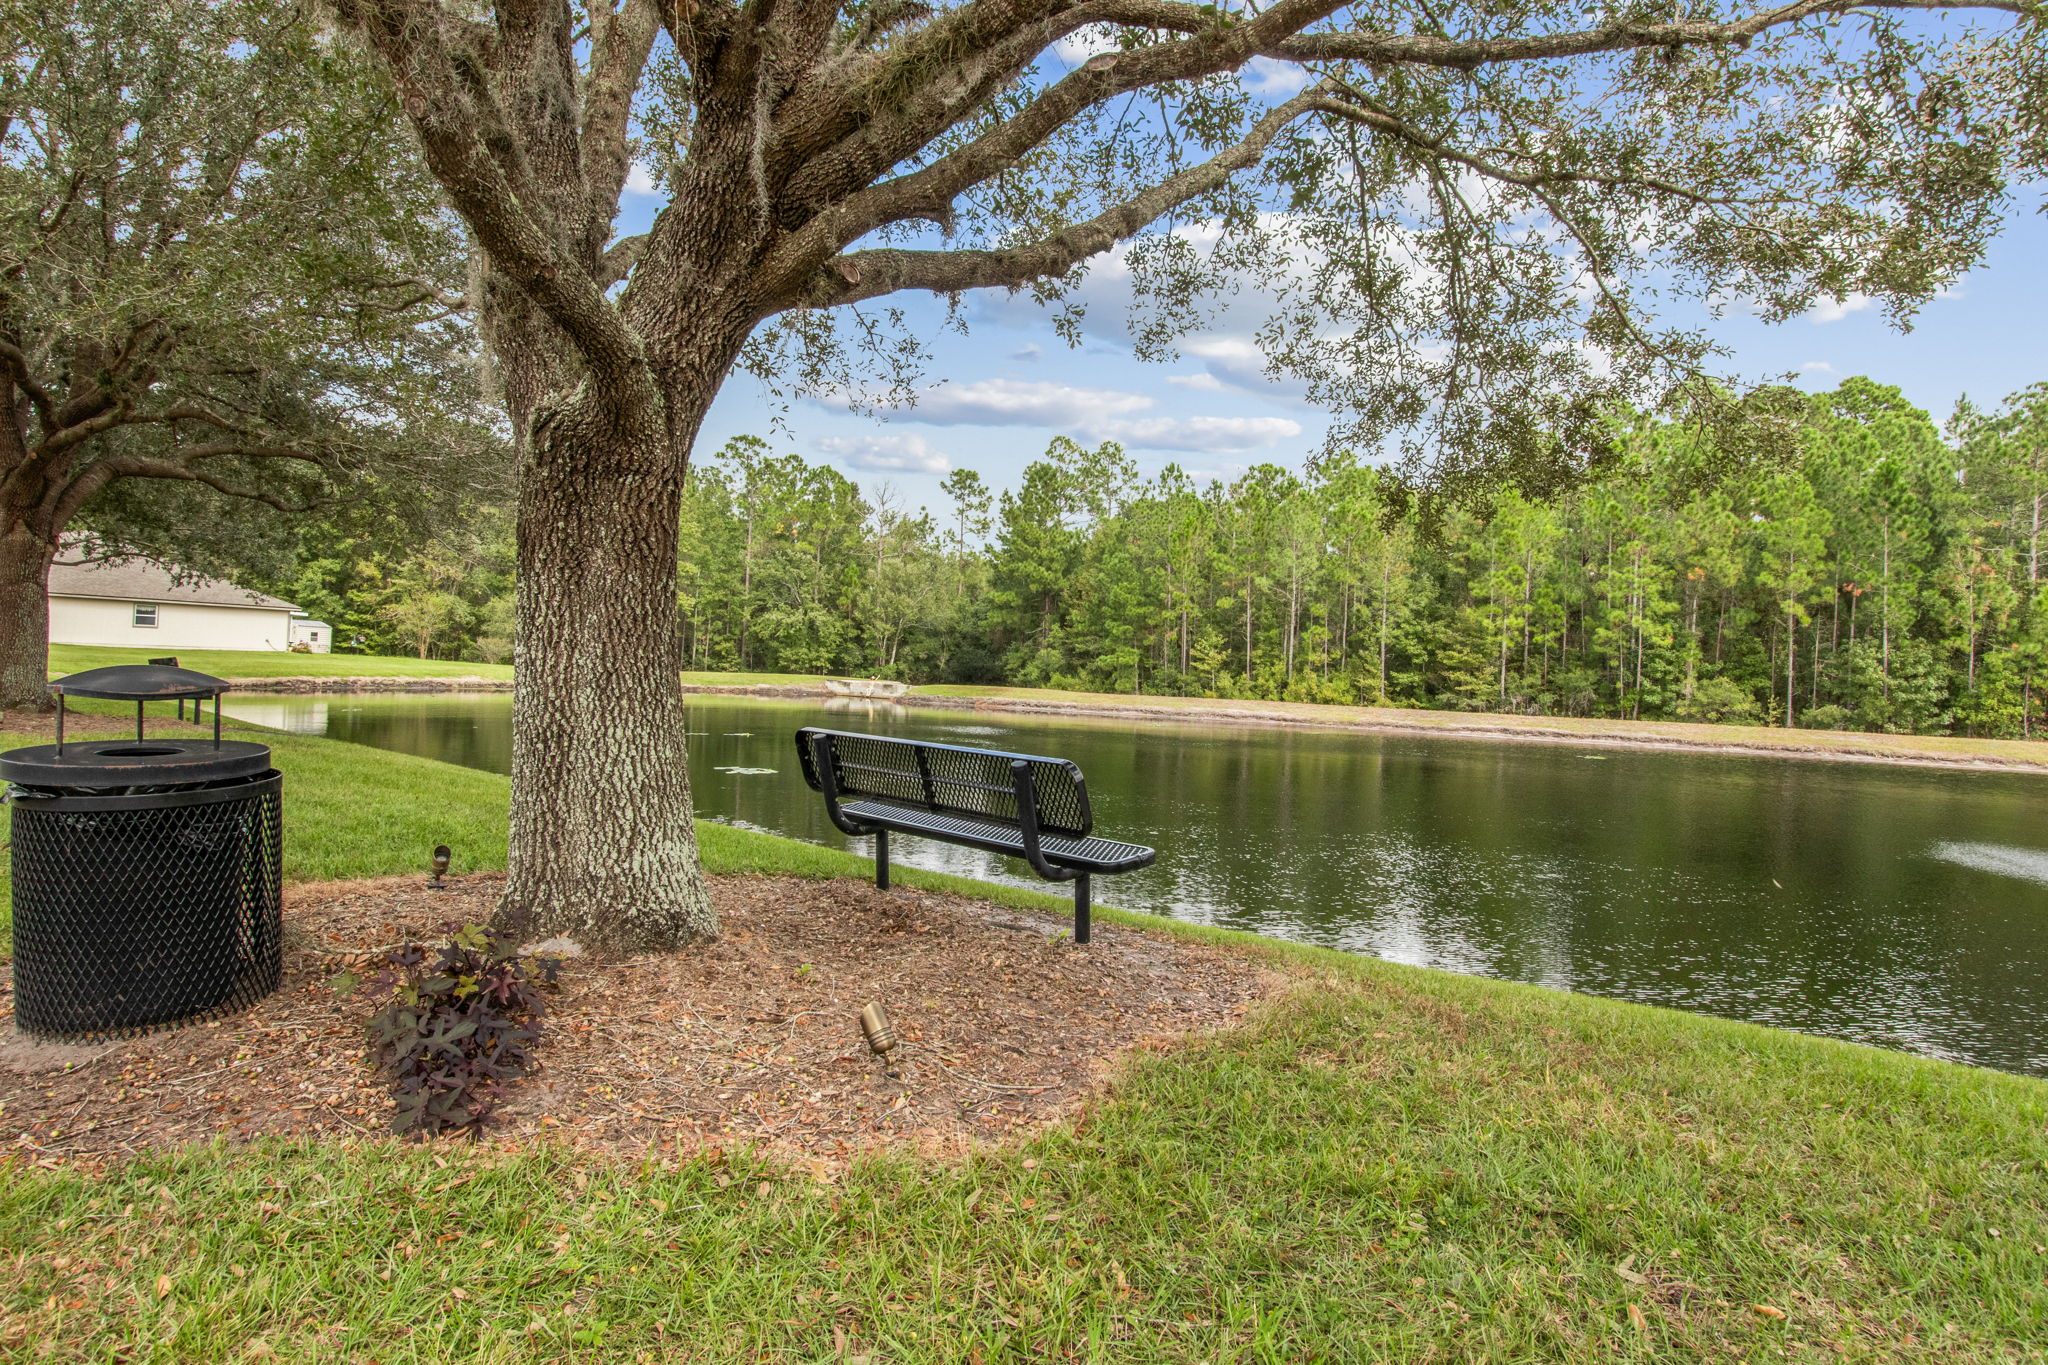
949	779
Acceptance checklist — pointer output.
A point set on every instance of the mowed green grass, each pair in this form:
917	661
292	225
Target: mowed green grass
1386	1164
714	679
250	663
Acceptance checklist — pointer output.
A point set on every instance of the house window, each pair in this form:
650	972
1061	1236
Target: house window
145	616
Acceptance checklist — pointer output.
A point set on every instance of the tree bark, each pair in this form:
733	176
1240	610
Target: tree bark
25	559
603	839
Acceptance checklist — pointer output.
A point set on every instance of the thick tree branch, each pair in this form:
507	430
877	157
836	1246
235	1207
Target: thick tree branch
929	192
870	274
25	380
141	467
65	498
972	48
619	45
619	259
423	291
438	101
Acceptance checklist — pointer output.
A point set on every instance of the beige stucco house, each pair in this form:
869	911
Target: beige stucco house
140	603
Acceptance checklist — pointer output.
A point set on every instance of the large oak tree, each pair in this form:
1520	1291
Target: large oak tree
223	270
1462	214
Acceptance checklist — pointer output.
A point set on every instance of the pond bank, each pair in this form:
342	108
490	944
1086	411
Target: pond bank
1937	751
370	684
335	673
1841	746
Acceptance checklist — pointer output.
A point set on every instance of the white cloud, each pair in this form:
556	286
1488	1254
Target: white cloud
1237	360
1834	310
893	453
1023	403
1225	341
1206	435
1084	413
1031	351
1204	381
1092	41
640	181
1264	76
1817	367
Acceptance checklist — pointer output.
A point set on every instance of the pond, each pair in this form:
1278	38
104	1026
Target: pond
1902	907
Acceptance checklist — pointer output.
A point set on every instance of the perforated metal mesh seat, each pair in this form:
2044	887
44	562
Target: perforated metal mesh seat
1096	855
1023	805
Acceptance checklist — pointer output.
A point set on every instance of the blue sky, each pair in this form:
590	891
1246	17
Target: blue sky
1011	384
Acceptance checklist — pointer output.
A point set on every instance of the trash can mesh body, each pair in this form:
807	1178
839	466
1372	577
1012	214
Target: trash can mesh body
134	912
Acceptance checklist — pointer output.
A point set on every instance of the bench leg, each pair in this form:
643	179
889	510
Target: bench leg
1081	908
882	859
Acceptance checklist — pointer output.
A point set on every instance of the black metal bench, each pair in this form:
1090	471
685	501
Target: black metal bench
1021	805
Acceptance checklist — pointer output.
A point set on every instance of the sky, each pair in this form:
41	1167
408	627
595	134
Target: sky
1001	392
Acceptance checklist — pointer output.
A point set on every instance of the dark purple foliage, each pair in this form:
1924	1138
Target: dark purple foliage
461	1021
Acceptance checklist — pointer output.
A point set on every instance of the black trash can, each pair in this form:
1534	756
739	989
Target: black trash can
147	872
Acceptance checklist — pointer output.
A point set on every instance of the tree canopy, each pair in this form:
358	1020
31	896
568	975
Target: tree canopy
221	271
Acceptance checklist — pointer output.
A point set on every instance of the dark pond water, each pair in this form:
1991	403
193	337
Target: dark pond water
1902	907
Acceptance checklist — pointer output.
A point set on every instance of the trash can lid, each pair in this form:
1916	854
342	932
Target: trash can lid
139	682
151	762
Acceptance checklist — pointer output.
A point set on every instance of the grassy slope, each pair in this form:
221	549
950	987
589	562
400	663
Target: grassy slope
1391	1164
755	679
1680	734
236	663
242	663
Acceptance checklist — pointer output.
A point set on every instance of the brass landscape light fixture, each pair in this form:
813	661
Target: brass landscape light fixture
881	1033
441	859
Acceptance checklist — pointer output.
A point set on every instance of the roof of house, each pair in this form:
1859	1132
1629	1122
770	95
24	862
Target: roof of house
145	580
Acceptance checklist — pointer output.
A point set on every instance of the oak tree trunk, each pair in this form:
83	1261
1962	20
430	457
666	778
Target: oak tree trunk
25	559
603	844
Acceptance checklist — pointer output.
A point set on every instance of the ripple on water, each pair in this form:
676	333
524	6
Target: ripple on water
2026	864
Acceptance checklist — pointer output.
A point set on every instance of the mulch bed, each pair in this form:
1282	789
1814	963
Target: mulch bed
755	1039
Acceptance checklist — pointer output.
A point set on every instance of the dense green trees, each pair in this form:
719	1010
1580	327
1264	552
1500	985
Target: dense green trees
224	279
1883	577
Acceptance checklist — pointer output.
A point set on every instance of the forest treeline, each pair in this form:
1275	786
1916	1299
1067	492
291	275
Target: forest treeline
1874	573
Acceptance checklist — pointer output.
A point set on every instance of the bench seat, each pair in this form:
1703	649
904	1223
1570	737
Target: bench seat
1024	806
1088	855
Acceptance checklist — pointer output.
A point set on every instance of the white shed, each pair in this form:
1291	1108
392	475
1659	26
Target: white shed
141	603
316	635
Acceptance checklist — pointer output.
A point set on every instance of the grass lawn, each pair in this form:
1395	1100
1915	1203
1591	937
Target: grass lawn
1389	1164
239	663
251	663
1674	734
756	679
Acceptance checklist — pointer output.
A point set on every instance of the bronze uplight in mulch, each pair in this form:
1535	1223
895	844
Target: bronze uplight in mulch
756	1038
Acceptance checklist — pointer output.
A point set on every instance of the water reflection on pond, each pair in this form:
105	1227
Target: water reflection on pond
1897	906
